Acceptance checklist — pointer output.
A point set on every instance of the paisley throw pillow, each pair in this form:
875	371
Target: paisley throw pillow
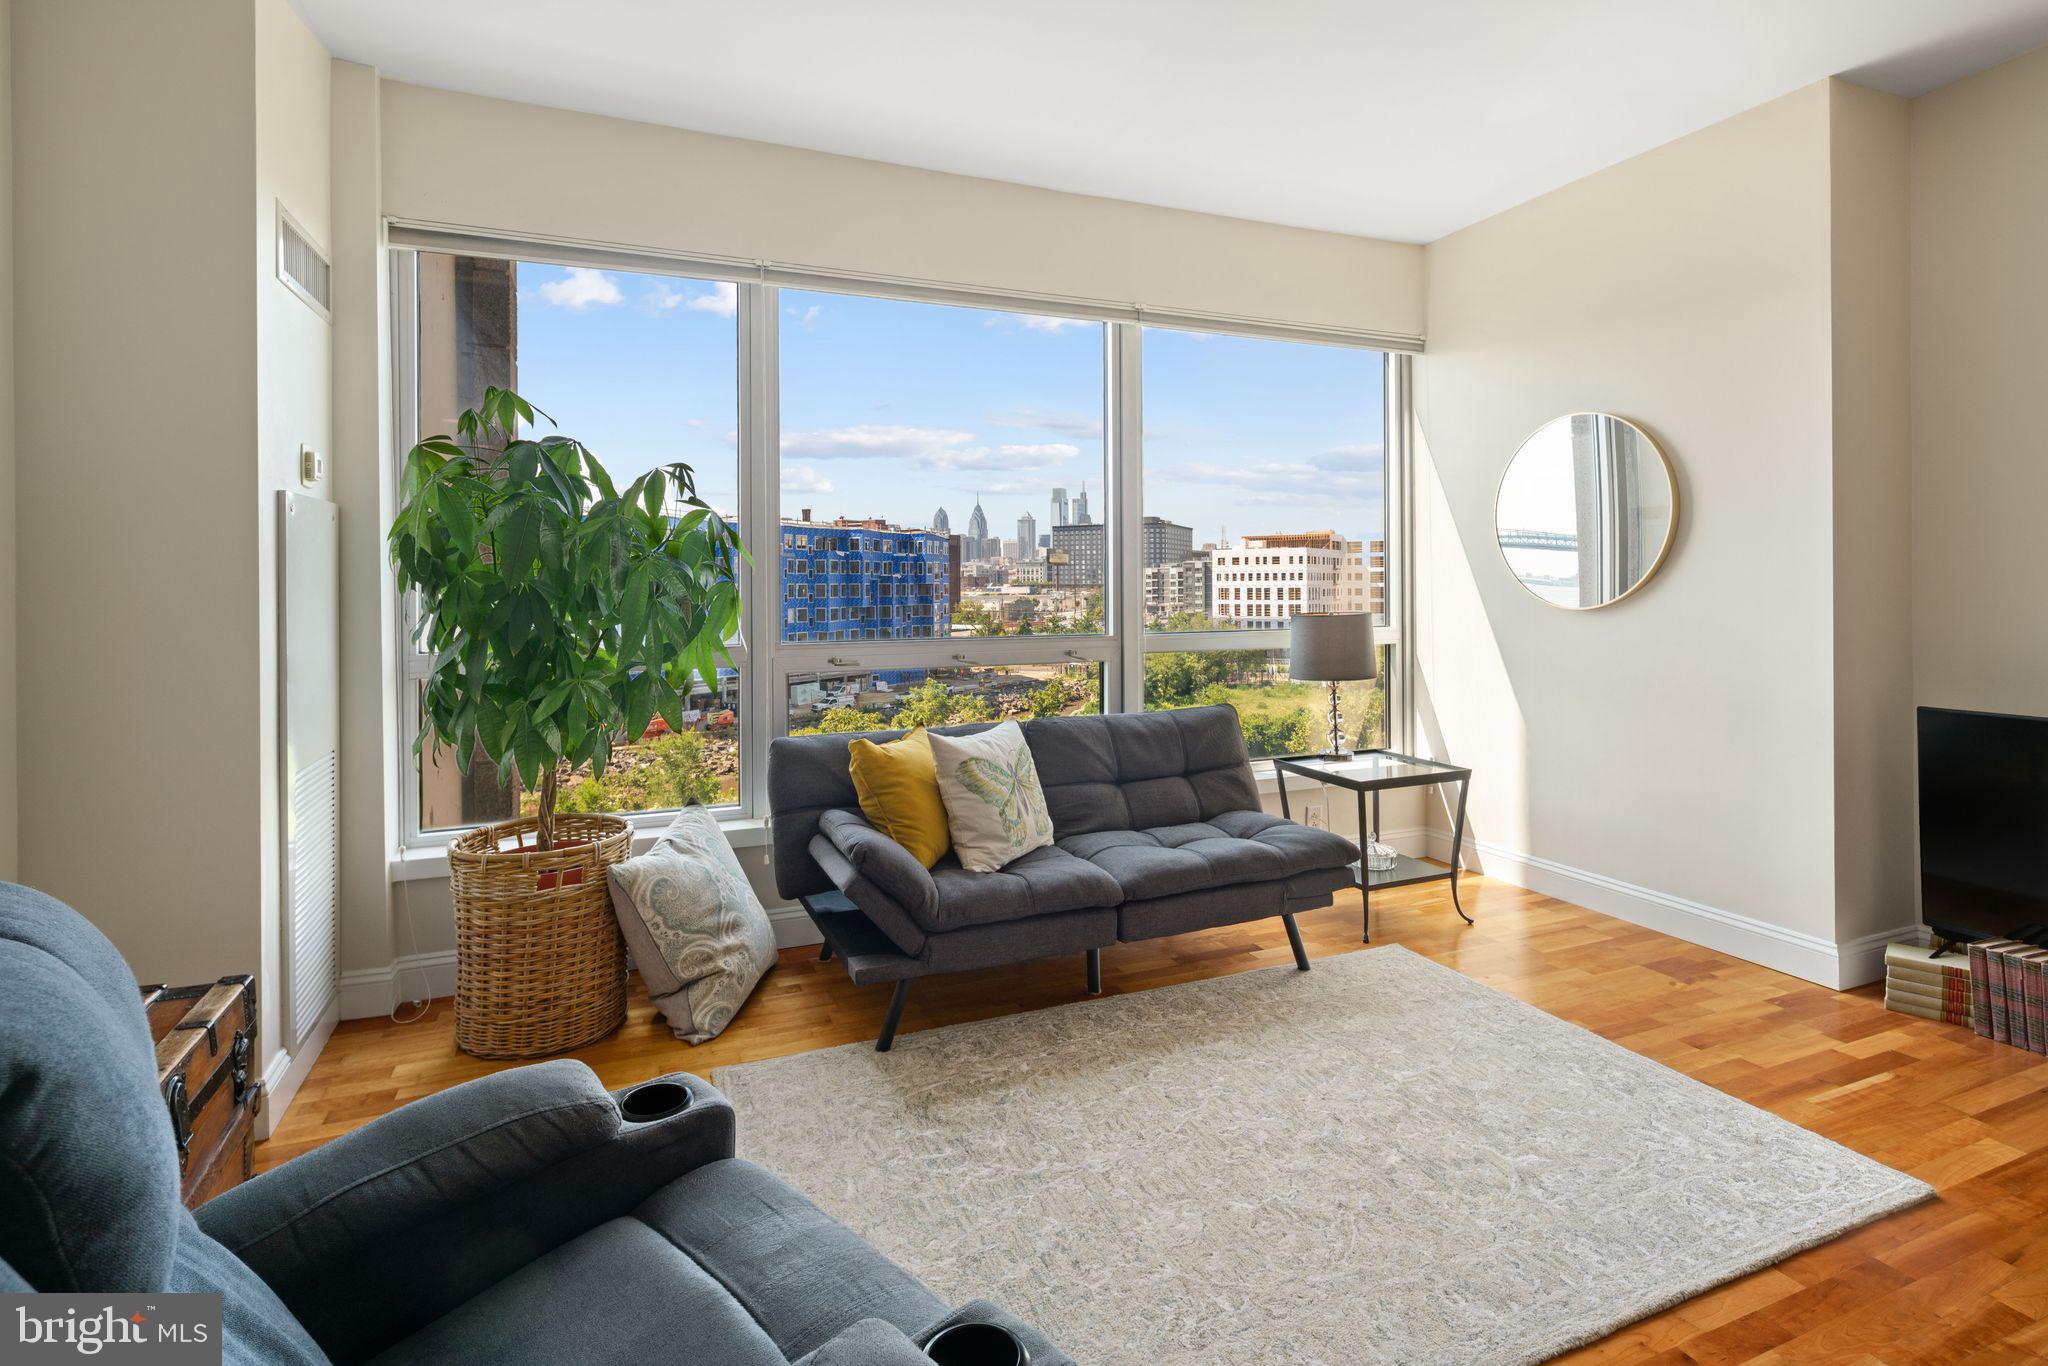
697	931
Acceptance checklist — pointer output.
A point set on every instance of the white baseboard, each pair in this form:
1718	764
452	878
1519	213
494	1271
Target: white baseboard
793	928
370	993
1852	963
288	1071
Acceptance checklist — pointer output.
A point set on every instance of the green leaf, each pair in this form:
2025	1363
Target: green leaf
634	604
670	704
653	489
519	542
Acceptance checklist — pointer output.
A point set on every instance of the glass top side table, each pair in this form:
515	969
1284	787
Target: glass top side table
1369	772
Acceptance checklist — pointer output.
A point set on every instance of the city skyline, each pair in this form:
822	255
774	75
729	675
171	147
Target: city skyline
892	409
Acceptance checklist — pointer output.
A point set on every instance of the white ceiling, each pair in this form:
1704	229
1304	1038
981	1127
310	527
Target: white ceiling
1399	120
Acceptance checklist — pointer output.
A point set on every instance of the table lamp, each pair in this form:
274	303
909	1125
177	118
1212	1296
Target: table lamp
1332	647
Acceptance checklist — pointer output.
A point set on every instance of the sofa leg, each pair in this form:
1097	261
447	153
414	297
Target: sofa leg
895	1016
1294	939
1095	972
825	952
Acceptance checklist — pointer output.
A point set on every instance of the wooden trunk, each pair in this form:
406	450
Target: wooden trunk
206	1057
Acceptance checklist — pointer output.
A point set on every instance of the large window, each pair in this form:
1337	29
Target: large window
1265	497
1265	481
957	513
936	471
644	370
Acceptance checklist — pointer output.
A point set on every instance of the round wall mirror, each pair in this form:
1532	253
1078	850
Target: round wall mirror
1586	510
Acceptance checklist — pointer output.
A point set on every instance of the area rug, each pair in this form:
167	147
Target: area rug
1380	1160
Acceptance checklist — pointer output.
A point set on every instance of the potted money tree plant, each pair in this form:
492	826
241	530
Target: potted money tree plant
561	614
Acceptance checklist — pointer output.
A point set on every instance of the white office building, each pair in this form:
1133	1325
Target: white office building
1263	580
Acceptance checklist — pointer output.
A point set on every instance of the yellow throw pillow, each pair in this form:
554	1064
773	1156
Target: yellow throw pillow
899	793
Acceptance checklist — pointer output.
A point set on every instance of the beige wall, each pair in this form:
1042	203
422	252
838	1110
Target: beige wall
1979	355
9	763
1669	758
517	168
1875	829
172	382
142	685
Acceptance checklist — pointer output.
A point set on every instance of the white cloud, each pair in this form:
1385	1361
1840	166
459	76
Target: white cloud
872	440
1044	453
804	479
1039	322
932	448
1050	420
806	316
1345	470
999	457
723	299
581	288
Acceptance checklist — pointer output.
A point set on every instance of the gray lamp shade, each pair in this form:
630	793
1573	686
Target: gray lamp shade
1332	647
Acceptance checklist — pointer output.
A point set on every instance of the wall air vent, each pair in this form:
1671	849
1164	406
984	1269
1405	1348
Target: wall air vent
300	265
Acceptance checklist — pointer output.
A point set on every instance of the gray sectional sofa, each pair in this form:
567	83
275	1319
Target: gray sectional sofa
530	1216
1157	830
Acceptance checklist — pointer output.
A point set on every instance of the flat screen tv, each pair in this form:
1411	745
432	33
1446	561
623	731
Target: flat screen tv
1984	825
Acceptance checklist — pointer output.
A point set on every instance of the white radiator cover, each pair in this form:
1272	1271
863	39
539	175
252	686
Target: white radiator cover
309	722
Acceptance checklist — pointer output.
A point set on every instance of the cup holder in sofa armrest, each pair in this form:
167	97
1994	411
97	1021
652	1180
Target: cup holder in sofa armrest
653	1100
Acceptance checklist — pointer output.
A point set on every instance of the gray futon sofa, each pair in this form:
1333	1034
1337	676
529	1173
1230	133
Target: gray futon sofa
1156	830
530	1216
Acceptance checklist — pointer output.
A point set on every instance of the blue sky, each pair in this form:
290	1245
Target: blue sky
894	409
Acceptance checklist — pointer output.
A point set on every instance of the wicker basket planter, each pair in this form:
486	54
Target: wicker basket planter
539	964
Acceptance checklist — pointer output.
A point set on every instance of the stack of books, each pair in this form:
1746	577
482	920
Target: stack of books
1917	982
2011	1001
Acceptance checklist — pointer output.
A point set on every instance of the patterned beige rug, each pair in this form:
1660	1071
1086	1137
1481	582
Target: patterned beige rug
1380	1160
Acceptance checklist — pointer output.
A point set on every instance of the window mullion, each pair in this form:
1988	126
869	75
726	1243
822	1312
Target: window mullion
1125	427
1398	464
761	529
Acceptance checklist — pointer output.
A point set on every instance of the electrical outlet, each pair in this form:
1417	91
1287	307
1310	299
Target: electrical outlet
312	468
1315	817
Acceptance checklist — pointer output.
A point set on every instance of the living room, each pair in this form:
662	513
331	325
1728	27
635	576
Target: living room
1158	683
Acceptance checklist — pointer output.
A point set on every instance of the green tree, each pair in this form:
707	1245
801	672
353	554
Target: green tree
844	721
978	619
1049	700
1172	679
1291	732
931	704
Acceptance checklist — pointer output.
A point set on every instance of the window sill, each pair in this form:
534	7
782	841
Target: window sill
425	862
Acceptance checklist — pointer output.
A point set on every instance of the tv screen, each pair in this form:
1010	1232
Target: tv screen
1983	824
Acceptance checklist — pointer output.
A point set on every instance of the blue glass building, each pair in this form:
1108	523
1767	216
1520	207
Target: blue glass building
844	581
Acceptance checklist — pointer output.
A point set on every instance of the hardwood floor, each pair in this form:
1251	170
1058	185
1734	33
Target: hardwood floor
1961	1279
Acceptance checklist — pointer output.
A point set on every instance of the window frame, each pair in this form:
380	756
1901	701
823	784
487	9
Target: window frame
766	663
